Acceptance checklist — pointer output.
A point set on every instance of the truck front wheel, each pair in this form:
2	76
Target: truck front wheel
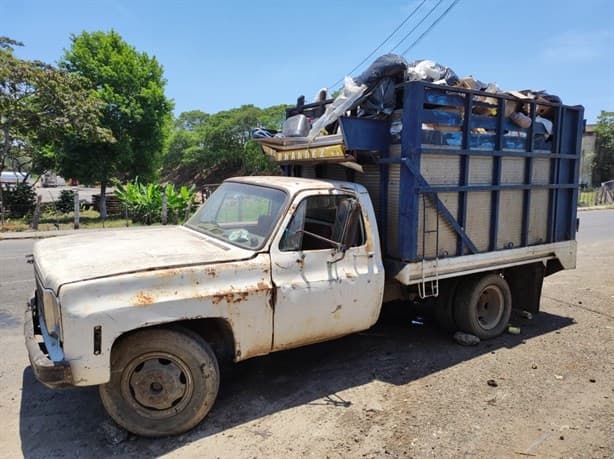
483	306
163	382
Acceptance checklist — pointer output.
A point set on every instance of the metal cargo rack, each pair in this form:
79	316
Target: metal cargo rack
462	178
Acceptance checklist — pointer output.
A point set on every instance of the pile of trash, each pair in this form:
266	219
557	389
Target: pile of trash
372	95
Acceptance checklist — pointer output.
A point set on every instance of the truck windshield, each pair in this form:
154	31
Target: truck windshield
241	214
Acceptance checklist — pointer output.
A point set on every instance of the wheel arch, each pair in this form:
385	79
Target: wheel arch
216	331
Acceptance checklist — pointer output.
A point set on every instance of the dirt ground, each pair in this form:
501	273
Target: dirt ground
401	389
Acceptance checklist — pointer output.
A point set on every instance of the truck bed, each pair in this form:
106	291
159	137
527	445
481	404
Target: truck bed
462	187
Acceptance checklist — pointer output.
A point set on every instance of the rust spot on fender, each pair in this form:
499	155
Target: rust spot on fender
144	299
217	299
230	298
262	285
211	273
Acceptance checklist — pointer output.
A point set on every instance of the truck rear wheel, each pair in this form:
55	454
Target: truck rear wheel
483	306
163	382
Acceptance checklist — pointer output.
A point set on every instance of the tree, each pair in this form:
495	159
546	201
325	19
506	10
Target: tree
40	107
604	146
222	140
136	110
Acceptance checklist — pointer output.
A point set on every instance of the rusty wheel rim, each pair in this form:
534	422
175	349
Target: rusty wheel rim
490	307
158	385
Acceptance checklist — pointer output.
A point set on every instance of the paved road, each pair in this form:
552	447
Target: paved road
388	390
53	193
596	226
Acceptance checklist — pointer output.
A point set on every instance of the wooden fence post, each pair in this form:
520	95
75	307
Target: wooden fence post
164	216
76	223
37	212
187	210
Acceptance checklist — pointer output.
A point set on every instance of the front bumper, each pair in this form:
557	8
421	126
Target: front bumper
51	374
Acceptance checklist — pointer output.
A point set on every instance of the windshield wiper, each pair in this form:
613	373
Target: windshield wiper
211	227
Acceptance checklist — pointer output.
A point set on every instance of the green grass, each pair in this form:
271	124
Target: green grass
586	198
88	219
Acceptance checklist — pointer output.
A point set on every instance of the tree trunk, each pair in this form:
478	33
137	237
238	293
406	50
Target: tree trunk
76	209
102	204
1	207
5	152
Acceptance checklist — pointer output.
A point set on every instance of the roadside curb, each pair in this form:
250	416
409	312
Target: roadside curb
17	235
605	207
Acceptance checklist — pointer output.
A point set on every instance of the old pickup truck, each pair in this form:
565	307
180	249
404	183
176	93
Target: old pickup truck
471	220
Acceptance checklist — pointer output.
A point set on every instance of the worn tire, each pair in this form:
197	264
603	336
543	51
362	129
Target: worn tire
163	382
444	306
482	306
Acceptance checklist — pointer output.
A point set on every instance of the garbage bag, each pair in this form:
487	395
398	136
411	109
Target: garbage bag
388	65
345	101
431	71
381	102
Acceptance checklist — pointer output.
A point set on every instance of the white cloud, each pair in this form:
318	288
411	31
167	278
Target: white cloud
577	46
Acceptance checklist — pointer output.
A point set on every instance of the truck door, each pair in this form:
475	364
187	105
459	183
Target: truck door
322	292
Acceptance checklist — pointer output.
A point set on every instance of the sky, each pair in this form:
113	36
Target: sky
224	54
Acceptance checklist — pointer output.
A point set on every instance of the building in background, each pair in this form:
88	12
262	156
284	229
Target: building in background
587	161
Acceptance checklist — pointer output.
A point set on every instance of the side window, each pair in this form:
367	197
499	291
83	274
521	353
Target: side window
318	222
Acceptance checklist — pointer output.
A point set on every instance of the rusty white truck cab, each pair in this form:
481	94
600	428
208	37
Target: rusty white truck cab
267	263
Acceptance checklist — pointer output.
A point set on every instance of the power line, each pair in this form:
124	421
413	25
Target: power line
417	25
382	43
430	27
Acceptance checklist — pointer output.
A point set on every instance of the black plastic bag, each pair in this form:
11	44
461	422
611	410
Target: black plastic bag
388	65
381	102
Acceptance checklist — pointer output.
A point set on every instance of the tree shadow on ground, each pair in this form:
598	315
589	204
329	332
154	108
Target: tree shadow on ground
403	346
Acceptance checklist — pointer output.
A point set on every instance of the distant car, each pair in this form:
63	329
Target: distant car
49	179
12	178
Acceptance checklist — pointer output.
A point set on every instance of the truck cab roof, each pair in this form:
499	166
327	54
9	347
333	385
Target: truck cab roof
293	185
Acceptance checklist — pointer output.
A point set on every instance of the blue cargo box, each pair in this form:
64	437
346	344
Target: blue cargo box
461	178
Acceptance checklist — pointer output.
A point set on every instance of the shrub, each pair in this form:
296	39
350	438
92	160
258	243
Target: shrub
144	202
19	200
66	202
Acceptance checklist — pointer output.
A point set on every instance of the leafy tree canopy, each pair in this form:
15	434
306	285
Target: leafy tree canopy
131	85
604	160
200	140
40	107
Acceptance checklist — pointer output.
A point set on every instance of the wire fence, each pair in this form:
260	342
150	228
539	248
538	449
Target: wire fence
600	196
75	213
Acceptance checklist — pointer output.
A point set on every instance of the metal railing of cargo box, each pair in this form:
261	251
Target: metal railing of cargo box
475	125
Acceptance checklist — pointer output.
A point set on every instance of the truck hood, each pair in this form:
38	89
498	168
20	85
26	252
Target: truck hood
89	255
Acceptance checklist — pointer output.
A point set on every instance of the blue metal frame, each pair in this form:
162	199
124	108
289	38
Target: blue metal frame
479	133
528	174
411	147
365	134
464	173
563	151
424	187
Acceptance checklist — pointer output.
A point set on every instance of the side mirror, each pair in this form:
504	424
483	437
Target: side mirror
346	228
351	225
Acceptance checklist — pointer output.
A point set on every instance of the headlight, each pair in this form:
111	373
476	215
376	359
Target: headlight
51	311
49	305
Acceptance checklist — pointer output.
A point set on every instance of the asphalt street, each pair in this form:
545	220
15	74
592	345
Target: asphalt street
544	405
53	193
